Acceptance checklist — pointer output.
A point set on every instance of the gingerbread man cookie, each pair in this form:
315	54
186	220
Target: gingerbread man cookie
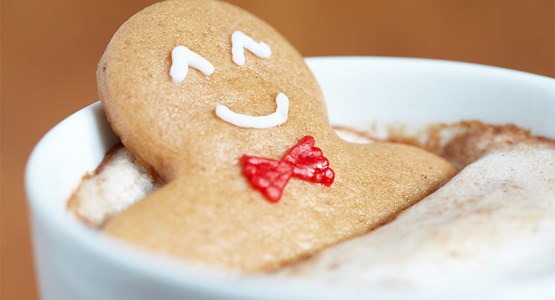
223	110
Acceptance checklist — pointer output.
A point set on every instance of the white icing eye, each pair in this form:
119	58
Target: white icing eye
182	58
277	118
240	41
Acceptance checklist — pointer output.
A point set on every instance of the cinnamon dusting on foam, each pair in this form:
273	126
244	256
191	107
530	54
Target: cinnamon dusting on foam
461	143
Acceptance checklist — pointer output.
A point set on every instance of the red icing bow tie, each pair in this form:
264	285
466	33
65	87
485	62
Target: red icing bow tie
302	161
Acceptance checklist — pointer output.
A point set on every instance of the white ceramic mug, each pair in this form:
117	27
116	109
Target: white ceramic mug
76	262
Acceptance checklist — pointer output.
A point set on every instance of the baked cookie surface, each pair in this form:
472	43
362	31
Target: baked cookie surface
207	211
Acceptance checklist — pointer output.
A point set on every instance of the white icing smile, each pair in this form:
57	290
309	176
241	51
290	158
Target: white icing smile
274	119
182	58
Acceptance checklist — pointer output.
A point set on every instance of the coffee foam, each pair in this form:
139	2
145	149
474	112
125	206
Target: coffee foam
492	224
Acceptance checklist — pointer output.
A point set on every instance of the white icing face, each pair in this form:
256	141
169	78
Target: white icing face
182	58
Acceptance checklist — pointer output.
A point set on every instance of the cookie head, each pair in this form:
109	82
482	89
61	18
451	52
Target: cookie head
181	77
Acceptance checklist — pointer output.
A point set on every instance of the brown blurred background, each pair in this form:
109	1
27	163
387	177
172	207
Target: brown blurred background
50	50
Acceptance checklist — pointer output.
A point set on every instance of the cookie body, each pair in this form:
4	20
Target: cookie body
207	212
